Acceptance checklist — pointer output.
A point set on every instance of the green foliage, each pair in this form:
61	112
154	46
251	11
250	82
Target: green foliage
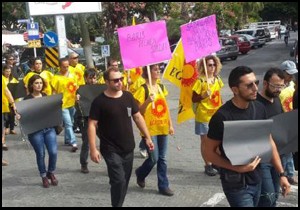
173	27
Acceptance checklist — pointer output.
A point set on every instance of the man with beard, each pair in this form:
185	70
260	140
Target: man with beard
241	183
111	114
272	85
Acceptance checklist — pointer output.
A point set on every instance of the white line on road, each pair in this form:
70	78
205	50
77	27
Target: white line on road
214	200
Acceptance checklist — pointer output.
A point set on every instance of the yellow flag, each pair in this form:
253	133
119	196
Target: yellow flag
173	71
184	76
188	79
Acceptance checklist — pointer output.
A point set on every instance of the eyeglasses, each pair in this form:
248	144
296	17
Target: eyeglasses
277	87
211	65
117	80
74	57
251	85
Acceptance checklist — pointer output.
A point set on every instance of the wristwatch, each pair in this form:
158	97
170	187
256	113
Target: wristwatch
282	174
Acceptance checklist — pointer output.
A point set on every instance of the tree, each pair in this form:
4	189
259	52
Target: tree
11	12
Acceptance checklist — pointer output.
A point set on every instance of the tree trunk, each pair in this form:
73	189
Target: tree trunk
86	42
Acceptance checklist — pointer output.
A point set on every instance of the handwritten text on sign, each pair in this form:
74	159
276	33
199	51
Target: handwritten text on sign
200	38
144	44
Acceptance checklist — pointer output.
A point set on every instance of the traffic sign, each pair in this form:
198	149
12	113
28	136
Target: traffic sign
33	31
50	39
105	50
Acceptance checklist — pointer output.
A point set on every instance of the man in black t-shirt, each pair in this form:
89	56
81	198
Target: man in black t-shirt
111	113
241	183
269	96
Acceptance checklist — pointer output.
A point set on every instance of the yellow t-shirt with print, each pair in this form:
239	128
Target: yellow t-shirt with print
46	75
286	97
13	80
5	104
78	70
67	85
208	106
157	118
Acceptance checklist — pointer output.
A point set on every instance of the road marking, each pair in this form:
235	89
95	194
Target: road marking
214	200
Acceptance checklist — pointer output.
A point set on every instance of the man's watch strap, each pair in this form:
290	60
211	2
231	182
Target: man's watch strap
282	174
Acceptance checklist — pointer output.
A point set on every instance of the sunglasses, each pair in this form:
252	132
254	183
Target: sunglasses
117	80
276	87
75	57
211	65
251	85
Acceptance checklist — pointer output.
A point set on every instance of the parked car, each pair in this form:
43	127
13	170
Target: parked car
243	43
99	61
294	52
229	49
256	32
254	43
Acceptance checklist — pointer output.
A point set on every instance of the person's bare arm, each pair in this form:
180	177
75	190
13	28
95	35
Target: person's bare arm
94	153
141	124
284	184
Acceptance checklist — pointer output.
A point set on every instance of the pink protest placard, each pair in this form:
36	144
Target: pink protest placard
144	44
200	38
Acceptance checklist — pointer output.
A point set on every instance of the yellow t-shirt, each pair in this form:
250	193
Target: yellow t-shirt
208	106
46	75
13	80
5	104
157	119
67	85
78	70
286	97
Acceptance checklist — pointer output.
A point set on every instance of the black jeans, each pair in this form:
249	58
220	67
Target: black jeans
119	167
84	152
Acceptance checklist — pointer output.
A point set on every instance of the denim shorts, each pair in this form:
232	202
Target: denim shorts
201	128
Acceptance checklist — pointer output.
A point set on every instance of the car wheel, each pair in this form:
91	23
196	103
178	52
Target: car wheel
234	58
244	53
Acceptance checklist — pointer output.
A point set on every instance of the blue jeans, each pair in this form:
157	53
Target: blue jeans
40	139
287	162
270	186
68	118
247	196
157	156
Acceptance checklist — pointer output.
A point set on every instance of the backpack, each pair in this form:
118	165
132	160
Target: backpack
147	91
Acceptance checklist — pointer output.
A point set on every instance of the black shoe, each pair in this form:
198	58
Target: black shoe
76	130
210	171
167	192
140	183
84	169
74	148
217	168
292	181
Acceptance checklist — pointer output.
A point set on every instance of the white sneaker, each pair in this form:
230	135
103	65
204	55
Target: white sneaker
143	153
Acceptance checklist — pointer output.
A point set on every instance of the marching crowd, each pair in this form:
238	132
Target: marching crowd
138	95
